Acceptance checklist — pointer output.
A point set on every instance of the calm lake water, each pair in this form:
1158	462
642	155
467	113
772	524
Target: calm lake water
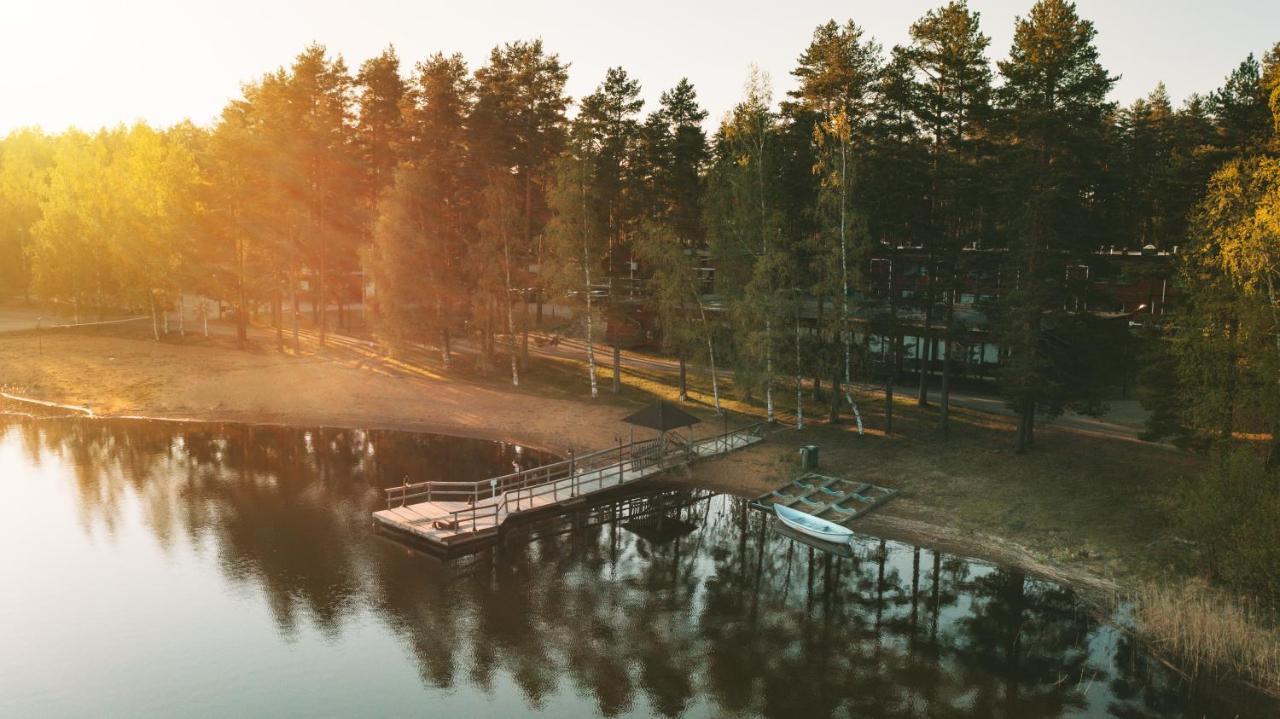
166	569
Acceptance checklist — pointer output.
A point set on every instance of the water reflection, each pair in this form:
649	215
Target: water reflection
673	604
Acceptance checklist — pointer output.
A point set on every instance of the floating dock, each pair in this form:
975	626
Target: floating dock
831	498
448	515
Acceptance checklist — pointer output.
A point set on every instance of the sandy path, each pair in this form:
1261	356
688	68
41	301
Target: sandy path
202	379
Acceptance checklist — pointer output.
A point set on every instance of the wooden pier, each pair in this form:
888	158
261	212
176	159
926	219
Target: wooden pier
448	515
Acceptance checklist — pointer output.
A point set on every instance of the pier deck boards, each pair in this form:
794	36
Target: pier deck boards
457	513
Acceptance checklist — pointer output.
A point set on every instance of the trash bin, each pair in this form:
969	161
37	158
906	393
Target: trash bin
809	457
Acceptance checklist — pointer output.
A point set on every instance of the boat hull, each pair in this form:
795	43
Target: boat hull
812	526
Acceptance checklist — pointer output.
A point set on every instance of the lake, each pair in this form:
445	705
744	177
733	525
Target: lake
157	569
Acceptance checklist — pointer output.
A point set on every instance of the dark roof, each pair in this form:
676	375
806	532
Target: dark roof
662	416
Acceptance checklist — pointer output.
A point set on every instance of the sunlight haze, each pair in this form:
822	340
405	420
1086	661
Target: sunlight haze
93	64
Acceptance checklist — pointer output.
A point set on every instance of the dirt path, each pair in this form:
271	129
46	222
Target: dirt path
204	379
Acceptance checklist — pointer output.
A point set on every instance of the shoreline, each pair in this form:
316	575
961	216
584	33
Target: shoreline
879	524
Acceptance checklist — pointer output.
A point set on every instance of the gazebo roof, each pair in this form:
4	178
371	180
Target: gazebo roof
662	416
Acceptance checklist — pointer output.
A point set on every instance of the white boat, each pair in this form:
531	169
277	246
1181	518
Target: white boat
813	526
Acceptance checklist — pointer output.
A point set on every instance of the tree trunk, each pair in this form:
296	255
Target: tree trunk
684	378
617	368
924	352
888	393
715	382
834	412
297	310
591	352
278	308
768	368
944	413
524	330
1026	426
817	332
155	322
891	361
799	377
242	320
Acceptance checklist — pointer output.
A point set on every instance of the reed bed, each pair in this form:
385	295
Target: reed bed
1208	631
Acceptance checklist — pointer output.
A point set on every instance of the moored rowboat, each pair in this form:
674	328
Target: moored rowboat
813	526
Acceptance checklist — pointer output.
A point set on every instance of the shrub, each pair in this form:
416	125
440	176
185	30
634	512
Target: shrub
1233	512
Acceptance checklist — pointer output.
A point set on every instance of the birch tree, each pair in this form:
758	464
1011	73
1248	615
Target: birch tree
575	241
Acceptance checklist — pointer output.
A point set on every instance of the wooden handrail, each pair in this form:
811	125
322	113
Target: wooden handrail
549	474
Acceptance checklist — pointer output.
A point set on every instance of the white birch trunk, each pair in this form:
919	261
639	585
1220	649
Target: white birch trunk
586	274
844	270
768	369
799	379
711	354
511	323
591	353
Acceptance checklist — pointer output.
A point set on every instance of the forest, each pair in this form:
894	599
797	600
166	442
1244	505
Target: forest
468	199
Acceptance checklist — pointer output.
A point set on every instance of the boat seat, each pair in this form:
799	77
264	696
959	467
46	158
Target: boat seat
811	502
832	492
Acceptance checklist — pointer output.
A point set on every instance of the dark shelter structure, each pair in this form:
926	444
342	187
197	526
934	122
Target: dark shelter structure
663	417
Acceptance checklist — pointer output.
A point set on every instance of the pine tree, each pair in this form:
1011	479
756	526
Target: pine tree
896	194
1241	109
320	91
1053	109
608	126
952	102
668	165
519	121
379	133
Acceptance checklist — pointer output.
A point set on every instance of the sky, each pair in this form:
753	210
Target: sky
94	63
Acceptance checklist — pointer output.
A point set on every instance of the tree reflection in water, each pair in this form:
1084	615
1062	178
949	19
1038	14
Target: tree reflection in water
704	610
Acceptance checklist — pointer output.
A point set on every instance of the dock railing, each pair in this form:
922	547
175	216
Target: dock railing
561	477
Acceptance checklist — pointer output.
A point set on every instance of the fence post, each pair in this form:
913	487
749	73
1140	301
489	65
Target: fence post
573	476
404	491
620	462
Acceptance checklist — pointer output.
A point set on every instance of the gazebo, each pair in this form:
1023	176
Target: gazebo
662	417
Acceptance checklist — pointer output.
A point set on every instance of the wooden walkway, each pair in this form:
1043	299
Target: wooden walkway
451	514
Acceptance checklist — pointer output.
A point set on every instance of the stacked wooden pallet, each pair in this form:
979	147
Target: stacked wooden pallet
831	498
